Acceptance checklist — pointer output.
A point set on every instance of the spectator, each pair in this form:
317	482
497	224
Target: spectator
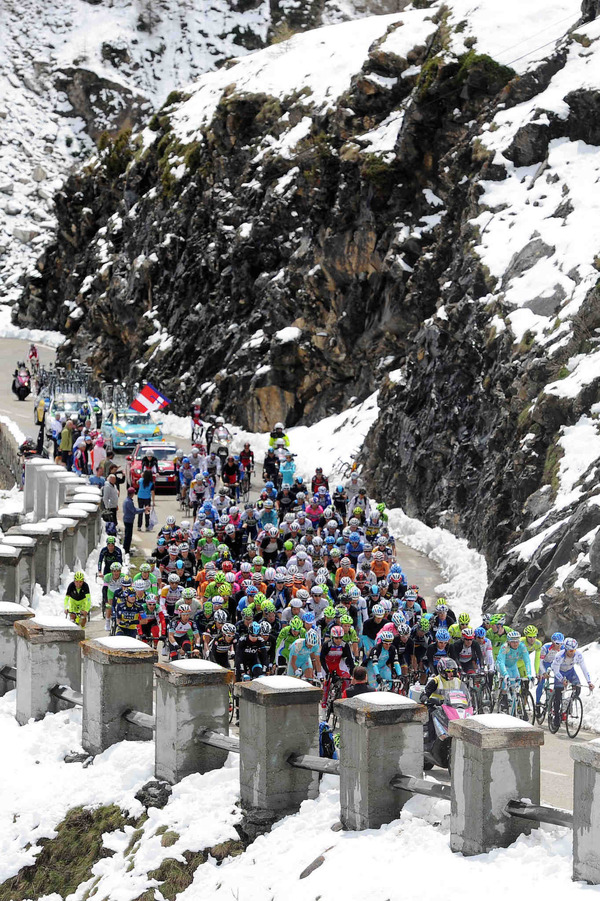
66	445
98	478
110	497
130	511
55	427
360	684
145	495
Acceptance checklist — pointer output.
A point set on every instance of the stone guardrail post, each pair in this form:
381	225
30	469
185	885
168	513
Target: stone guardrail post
191	696
26	547
31	467
9	450
42	474
57	559
381	736
41	531
94	524
10	582
495	759
70	482
117	676
48	654
87	499
78	548
279	716
586	812
54	482
9	614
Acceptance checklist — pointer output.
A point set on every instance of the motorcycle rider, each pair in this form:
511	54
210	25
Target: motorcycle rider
433	695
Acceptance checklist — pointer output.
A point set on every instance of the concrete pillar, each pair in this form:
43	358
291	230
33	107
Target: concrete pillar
41	489
9	614
84	527
57	559
48	654
279	716
31	466
117	676
70	482
191	696
381	736
10	584
495	759
586	812
55	480
41	532
94	523
26	547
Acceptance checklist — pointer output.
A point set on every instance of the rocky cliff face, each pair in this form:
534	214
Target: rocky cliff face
378	204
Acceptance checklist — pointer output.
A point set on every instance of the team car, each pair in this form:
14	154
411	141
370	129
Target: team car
123	429
164	453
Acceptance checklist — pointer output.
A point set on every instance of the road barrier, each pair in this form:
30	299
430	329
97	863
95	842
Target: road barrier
62	528
495	787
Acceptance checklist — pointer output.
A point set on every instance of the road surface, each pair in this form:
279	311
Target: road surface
557	767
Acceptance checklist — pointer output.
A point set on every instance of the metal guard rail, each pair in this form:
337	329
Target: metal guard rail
137	718
316	764
539	813
66	694
218	740
9	673
422	787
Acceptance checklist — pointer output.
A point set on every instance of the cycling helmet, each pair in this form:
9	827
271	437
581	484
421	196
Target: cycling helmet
354	592
486	619
337	632
170	520
558	638
404	629
265	628
110	539
268	607
126	581
254	629
464	619
387	636
498	619
309	619
374	590
446	665
317	590
248	613
141	585
144	568
151	599
344	581
387	605
79	576
220	578
302	595
346	620
513	635
246	567
228	629
397	619
217	600
173	579
468	634
116	567
251	590
188	594
295	623
442	635
410	595
454	630
571	644
480	632
530	631
329	613
424	624
220	616
311	639
184	608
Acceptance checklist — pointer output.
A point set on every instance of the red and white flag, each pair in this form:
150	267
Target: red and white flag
149	400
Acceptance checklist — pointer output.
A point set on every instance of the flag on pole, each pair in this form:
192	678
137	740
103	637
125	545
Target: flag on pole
149	400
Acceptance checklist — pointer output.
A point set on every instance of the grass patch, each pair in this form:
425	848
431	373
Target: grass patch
176	875
554	455
67	860
563	372
169	838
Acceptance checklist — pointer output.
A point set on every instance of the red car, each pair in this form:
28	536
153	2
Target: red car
164	453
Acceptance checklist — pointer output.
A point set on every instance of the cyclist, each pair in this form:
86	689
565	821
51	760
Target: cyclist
383	658
421	636
497	634
563	667
336	659
443	617
152	628
147	574
77	599
509	654
437	649
304	656
251	656
287	636
277	434
532	645
467	652
547	655
109	554
111	584
223	645
128	613
486	648
182	634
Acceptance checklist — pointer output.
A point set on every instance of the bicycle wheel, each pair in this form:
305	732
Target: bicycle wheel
486	702
574	717
553	719
541	709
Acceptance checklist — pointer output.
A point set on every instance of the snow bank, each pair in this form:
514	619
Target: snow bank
463	569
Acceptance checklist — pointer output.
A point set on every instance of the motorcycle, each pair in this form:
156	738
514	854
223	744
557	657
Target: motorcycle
21	382
223	440
455	705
